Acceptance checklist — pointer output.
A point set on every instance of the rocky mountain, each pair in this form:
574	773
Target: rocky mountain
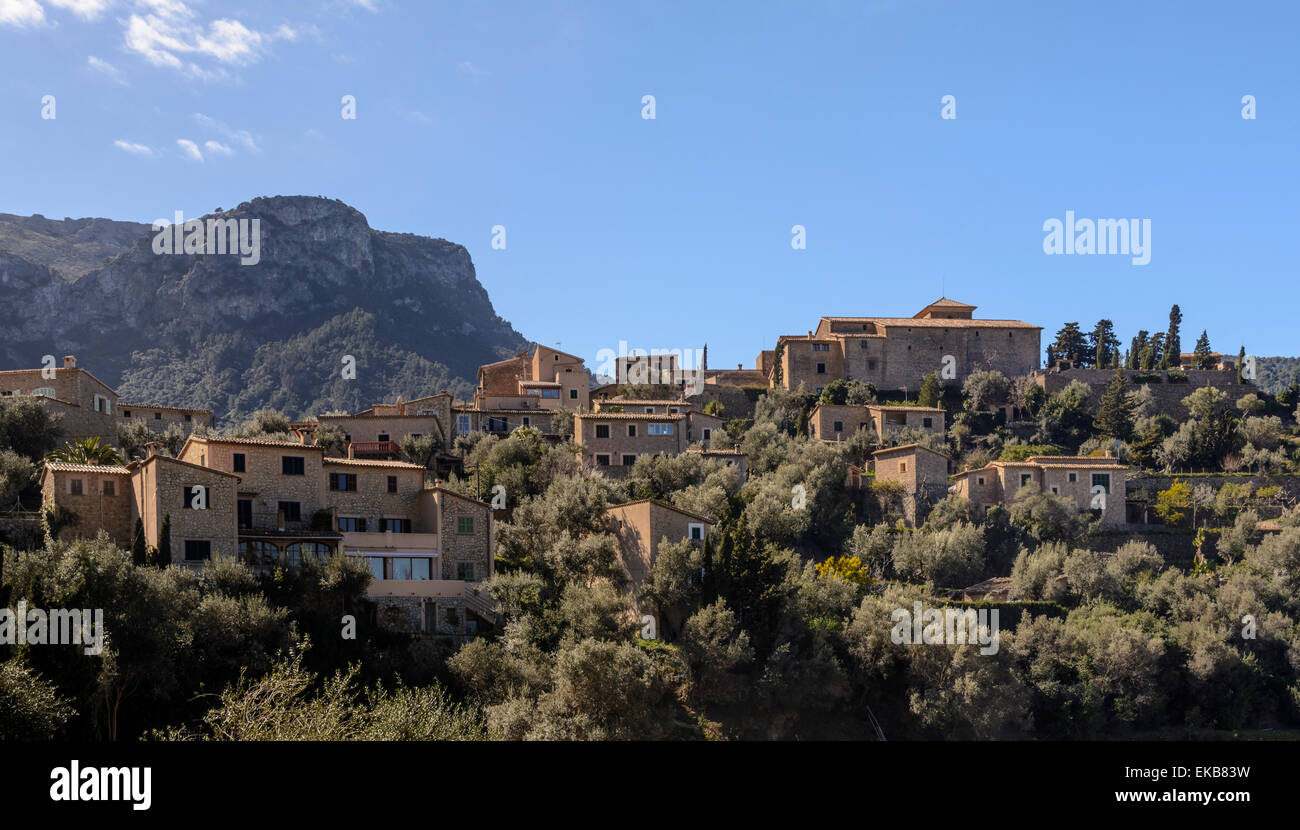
202	329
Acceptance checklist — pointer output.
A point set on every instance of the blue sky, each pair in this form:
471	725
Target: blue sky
671	232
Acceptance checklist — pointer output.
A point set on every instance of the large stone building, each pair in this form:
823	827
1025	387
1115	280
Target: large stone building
833	423
1095	483
895	353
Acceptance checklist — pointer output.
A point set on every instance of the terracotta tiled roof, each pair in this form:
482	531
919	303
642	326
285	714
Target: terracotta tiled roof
900	408
259	442
368	462
68	467
630	416
901	447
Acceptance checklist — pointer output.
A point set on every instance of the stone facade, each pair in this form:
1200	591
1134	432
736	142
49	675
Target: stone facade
99	495
85	405
466	536
263	481
159	418
615	439
889	419
832	423
1168	395
202	523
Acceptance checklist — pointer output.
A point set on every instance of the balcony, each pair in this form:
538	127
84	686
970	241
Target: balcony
389	543
387	450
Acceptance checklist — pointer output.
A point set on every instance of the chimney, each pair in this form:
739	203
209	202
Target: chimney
154	448
740	366
69	361
302	436
810	332
351	451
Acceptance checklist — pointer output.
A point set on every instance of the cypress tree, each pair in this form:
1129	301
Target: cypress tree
1173	354
139	552
165	542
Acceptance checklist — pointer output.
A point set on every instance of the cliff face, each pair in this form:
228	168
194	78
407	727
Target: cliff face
205	330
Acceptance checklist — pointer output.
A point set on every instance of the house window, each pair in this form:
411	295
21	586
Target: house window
465	571
1102	479
244	512
927	422
462	424
863	344
696	531
602	430
527	421
821	368
659	429
498	424
631	430
629	460
157	416
649	410
980	480
238	463
188	419
108	488
453	616
821	347
392	484
871	365
430	618
197	549
411	567
343	482
602	460
573	393
464	525
292	511
292	465
1073	477
708	433
126	413
74	486
550	393
397	525
196	497
352	524
838	426
1054	490
1024	478
902	466
376	566
382	437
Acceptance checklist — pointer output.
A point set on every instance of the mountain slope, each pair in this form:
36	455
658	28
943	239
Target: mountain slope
204	330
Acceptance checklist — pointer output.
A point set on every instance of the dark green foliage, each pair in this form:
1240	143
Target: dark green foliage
165	542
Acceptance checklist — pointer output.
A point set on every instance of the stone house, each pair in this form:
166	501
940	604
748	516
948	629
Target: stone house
1094	483
922	472
641	527
615	439
888	418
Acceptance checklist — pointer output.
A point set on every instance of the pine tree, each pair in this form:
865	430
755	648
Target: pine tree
1135	349
1115	418
930	392
1204	358
165	542
1070	344
1173	354
139	552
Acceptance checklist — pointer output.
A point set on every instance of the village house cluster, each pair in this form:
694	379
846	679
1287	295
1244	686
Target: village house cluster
429	548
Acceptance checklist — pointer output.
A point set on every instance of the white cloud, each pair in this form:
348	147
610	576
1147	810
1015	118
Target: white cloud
85	9
190	148
21	13
106	68
218	148
369	5
132	148
467	68
241	137
166	30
